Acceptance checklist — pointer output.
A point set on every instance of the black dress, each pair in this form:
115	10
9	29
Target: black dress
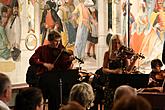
98	84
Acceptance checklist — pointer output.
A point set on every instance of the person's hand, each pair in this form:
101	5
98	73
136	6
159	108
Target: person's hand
118	71
49	66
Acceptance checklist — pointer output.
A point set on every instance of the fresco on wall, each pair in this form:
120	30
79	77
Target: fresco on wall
49	20
147	29
10	30
10	34
74	23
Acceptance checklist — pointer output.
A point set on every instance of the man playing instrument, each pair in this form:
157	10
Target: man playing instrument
45	55
156	75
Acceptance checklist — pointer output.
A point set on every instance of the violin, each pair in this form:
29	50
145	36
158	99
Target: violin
129	53
160	75
125	52
63	60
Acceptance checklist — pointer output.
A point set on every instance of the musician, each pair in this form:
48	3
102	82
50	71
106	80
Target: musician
52	62
45	55
117	60
43	58
98	85
112	63
157	74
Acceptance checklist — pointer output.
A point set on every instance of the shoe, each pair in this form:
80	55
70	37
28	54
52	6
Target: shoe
88	54
94	56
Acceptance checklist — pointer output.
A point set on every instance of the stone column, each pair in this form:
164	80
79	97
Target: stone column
116	16
37	20
102	30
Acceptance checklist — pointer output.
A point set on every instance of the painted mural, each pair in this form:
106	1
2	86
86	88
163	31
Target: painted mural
10	30
10	34
73	22
147	29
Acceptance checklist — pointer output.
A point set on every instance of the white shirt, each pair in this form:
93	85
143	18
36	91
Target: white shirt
3	106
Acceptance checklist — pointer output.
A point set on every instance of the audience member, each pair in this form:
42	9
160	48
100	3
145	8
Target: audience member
72	105
83	94
5	91
132	103
29	99
124	90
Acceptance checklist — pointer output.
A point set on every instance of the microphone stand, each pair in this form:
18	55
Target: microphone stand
79	68
60	80
128	15
60	92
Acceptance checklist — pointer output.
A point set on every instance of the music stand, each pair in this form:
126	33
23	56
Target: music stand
134	80
68	79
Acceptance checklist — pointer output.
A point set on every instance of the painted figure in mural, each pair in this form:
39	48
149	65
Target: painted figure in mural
124	22
4	43
151	37
6	2
82	14
4	14
159	22
139	26
13	31
30	16
50	21
93	35
65	13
